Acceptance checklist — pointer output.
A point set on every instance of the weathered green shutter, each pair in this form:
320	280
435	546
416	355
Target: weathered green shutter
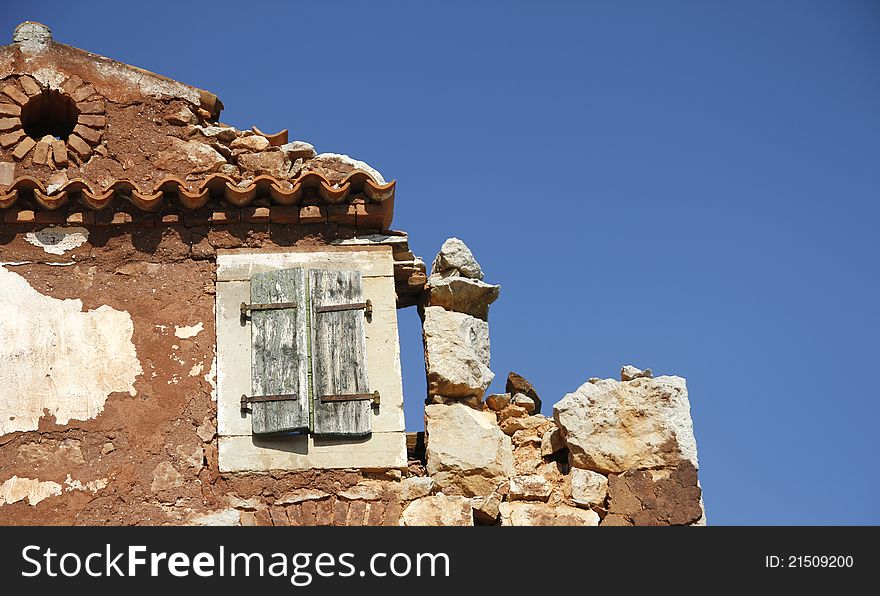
342	403
279	353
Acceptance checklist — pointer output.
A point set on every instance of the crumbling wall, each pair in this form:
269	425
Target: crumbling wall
616	452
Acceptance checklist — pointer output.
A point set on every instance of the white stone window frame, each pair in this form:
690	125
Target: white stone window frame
239	450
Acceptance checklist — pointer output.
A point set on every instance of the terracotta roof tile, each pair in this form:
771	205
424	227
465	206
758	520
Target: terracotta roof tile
281	192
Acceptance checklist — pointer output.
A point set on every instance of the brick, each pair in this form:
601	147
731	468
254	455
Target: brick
340	512
71	84
25	216
15	94
79	146
41	153
171	218
75	218
50	217
284	214
29	85
324	512
392	514
82	93
196	217
146	220
248	518
59	153
7	174
375	513
263	518
92	120
121	218
89	134
294	514
309	511
91	107
10	109
370	216
10	124
226	217
344	215
312	214
23	148
255	214
102	218
357	513
11	138
279	516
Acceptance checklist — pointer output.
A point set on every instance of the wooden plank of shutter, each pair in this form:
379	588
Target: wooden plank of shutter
339	354
279	353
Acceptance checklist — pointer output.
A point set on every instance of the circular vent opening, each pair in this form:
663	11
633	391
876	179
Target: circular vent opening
49	113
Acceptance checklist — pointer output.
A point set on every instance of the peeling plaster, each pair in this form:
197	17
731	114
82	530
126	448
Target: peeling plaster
57	241
56	358
188	332
17	489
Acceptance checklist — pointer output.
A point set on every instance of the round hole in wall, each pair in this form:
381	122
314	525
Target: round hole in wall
49	113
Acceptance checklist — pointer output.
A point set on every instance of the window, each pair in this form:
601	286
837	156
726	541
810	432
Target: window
306	343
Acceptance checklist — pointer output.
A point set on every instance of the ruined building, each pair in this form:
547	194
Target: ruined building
198	325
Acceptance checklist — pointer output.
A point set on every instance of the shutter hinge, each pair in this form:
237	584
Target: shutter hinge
245	307
245	400
373	397
366	306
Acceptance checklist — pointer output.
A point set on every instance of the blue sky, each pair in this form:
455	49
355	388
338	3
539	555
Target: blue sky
689	186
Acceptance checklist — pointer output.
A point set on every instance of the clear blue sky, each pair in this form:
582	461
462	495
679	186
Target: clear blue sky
687	186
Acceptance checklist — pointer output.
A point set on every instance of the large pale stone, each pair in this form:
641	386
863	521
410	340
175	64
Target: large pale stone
529	487
466	450
55	357
439	510
540	514
462	294
488	508
271	163
335	166
455	256
456	353
195	156
415	487
629	372
612	426
165	477
586	488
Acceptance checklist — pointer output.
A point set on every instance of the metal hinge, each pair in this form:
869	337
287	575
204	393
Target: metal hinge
245	307
245	400
366	306
373	397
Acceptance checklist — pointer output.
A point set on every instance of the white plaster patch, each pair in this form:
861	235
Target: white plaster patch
196	370
211	377
57	358
92	486
16	489
57	241
188	332
50	78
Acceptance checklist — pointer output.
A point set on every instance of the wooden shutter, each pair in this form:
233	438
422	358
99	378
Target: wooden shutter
339	356
279	353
